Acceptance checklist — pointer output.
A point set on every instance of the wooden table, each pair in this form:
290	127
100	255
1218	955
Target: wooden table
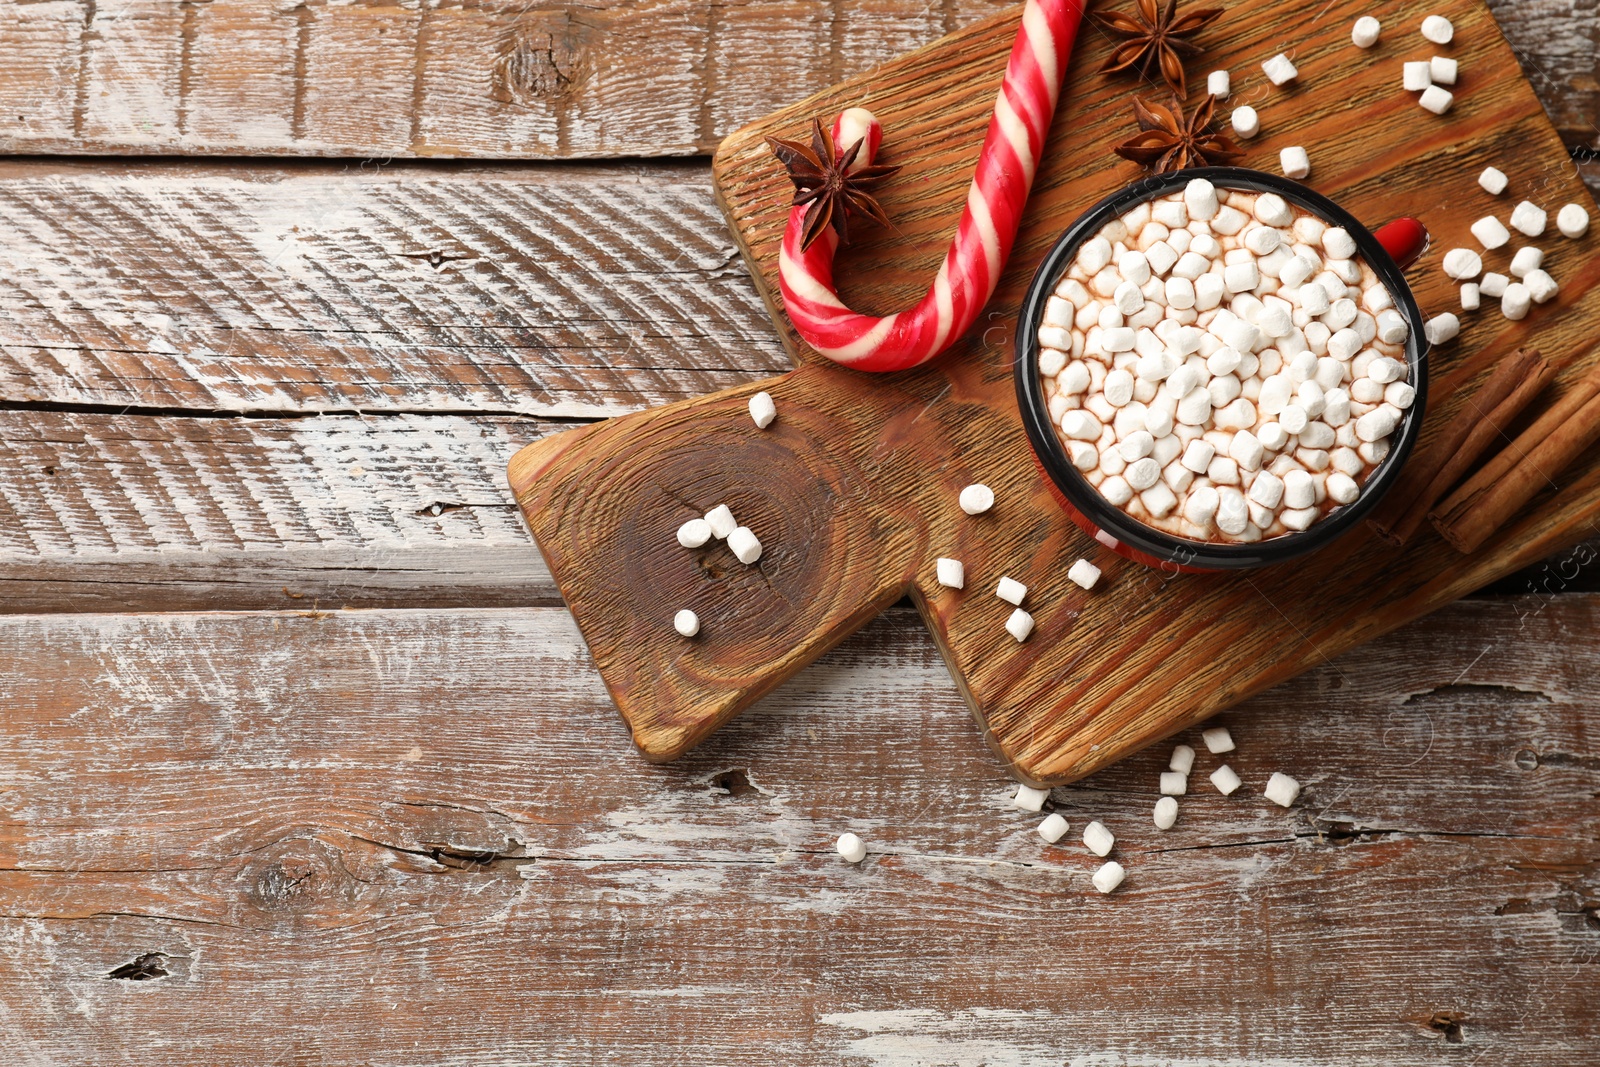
303	762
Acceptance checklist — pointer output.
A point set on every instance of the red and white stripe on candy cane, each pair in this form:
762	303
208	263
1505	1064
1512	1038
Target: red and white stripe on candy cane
971	269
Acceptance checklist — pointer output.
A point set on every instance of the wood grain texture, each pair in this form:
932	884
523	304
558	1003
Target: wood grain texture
572	291
505	79
125	512
1098	678
354	838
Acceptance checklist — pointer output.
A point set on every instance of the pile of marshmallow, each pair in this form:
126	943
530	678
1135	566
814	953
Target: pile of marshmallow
1281	789
1223	366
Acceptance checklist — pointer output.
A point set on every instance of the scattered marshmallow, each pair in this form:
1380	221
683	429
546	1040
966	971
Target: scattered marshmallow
1166	813
1572	220
1219	84
1108	877
1493	284
1019	625
1225	780
686	623
1529	218
1053	829
1491	232
1516	301
1296	163
977	498
1084	574
1527	260
1541	287
1097	839
763	410
1470	297
1493	180
1436	99
1182	759
694	533
1030	799
1443	70
1462	264
744	544
952	573
1281	789
1364	34
852	848
1441	328
1280	69
1246	123
1415	77
1174	784
1438	29
1011	591
1217	739
721	521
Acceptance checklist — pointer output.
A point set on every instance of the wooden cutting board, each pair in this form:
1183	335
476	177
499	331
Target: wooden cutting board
852	490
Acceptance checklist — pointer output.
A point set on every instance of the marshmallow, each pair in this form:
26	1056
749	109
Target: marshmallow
1436	99
1493	180
1342	489
1217	739
952	573
1030	799
1462	263
1470	298
1529	218
851	848
1097	839
1441	328
1225	780
1415	77
1527	259
1337	242
1182	759
1572	220
1083	574
1443	70
721	521
1019	625
1246	123
1166	813
1011	591
1108	877
763	410
1273	210
1392	328
745	545
1200	196
1541	287
1516	301
1281	789
1364	34
1174	784
977	498
1491	232
1280	70
686	623
1493	284
694	533
1054	828
1438	29
1219	84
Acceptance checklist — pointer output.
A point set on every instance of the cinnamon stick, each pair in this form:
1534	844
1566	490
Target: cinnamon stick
1524	468
1483	418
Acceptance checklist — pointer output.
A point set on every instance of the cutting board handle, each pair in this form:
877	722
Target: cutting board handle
820	489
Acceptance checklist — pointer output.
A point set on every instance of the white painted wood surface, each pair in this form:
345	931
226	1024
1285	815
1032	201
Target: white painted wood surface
410	837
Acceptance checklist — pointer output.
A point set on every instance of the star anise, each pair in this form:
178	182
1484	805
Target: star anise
1167	141
1156	37
824	179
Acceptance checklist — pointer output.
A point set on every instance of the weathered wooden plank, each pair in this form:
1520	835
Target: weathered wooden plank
127	512
258	814
567	291
505	79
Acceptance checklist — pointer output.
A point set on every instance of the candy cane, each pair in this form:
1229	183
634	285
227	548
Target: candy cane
971	268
